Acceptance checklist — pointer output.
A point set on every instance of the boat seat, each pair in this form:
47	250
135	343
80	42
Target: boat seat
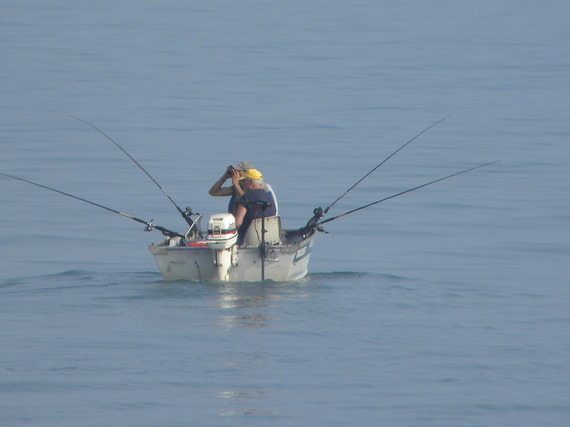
272	232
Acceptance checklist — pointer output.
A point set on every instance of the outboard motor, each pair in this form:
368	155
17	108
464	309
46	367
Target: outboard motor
222	238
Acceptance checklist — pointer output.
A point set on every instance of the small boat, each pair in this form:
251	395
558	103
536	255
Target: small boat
267	252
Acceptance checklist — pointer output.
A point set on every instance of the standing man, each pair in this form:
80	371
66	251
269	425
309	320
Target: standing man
233	172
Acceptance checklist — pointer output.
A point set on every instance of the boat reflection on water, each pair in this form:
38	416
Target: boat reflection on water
249	305
243	308
245	311
243	398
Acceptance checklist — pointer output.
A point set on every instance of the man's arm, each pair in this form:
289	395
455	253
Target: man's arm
218	190
240	214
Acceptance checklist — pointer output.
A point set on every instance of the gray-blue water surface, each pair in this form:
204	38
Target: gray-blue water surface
445	306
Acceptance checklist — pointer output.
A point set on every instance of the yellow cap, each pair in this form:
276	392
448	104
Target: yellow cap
252	174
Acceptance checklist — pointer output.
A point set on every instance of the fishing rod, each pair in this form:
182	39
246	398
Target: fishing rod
320	223
319	212
384	161
186	214
149	224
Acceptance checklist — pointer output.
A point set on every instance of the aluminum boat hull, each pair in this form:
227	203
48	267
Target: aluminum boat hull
283	262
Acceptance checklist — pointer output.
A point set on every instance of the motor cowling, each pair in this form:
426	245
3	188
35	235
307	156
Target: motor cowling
222	231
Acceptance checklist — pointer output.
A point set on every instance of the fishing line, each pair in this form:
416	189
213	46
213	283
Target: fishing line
383	161
149	224
185	214
404	192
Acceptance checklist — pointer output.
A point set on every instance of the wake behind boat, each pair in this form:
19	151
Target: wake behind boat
266	251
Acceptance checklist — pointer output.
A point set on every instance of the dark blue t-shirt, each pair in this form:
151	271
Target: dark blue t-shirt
232	203
254	212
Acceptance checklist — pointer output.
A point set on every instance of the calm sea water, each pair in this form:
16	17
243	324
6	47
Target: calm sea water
446	306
